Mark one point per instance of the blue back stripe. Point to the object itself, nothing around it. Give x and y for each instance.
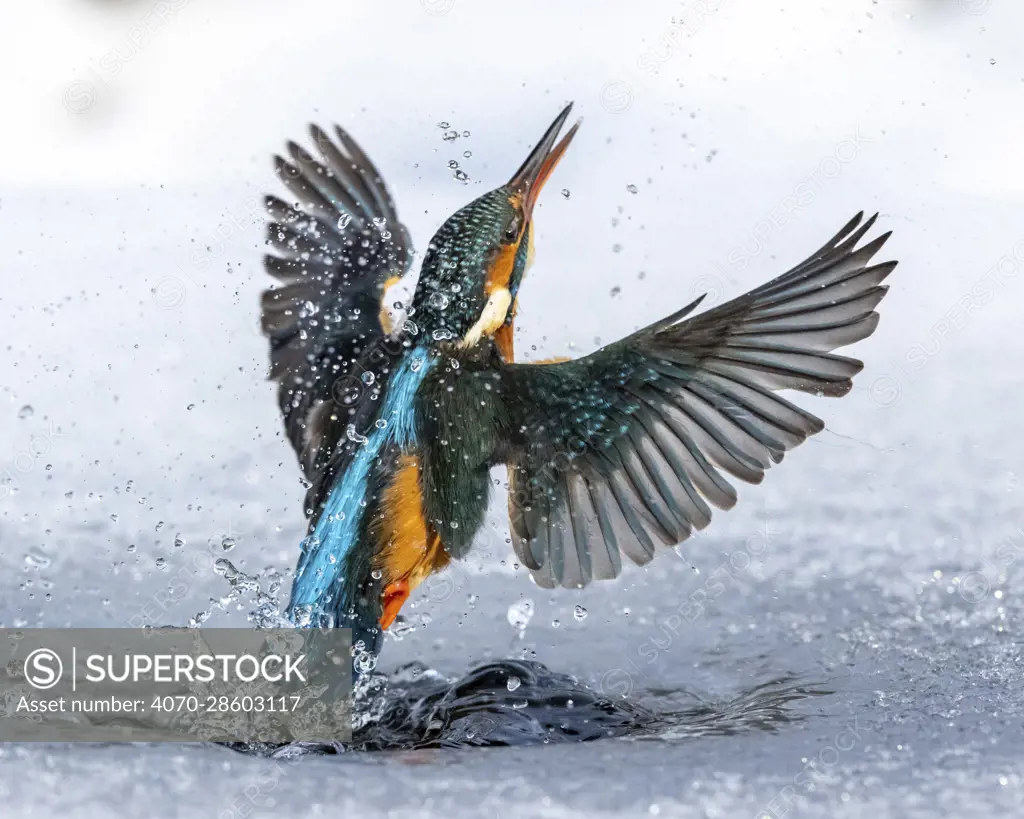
(320, 567)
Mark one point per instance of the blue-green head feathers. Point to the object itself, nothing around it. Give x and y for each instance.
(450, 294)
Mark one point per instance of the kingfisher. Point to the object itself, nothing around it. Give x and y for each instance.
(398, 415)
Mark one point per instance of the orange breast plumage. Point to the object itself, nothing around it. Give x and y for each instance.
(409, 550)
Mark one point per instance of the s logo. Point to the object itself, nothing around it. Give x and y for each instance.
(43, 668)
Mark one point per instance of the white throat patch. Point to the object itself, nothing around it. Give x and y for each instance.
(492, 317)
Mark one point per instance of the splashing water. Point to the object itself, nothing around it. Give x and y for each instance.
(502, 703)
(518, 702)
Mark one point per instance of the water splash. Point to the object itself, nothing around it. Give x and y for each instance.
(508, 702)
(518, 702)
(262, 591)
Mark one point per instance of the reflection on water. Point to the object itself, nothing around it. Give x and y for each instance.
(515, 703)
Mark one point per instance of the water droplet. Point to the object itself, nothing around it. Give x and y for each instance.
(227, 543)
(442, 125)
(199, 619)
(179, 541)
(556, 623)
(616, 248)
(513, 683)
(616, 290)
(465, 133)
(303, 615)
(365, 662)
(992, 61)
(380, 423)
(113, 518)
(467, 154)
(225, 567)
(631, 188)
(37, 560)
(566, 193)
(159, 525)
(354, 436)
(376, 574)
(367, 378)
(26, 412)
(161, 563)
(520, 614)
(190, 407)
(579, 613)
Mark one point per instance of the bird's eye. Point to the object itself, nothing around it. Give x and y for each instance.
(512, 232)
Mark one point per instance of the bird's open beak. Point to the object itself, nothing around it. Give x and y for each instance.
(530, 178)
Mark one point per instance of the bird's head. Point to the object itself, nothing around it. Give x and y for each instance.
(474, 264)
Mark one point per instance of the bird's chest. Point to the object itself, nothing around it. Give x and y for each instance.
(408, 546)
(429, 485)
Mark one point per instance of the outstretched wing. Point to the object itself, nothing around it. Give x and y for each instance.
(625, 449)
(336, 243)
